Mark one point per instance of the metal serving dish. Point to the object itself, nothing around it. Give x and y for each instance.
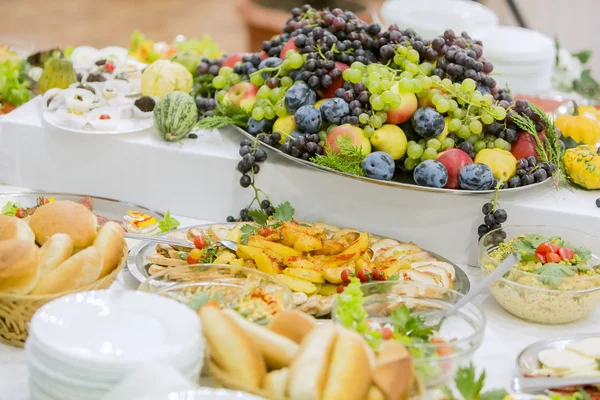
(402, 180)
(138, 266)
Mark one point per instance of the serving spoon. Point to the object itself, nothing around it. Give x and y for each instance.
(229, 244)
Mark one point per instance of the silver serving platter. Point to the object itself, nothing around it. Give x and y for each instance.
(138, 266)
(113, 210)
(528, 358)
(405, 182)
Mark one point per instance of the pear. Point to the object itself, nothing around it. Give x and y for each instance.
(58, 73)
(391, 140)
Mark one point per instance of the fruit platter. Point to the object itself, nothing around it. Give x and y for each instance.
(386, 106)
(316, 261)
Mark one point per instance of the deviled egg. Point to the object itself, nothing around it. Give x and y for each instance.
(70, 119)
(79, 100)
(53, 99)
(104, 118)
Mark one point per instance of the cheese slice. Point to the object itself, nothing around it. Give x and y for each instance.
(589, 347)
(564, 359)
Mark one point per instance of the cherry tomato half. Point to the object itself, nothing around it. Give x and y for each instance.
(387, 333)
(20, 213)
(340, 288)
(540, 257)
(200, 242)
(378, 275)
(346, 274)
(555, 248)
(363, 275)
(553, 258)
(565, 253)
(191, 260)
(545, 248)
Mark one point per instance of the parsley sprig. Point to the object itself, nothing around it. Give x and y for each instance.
(283, 212)
(349, 159)
(469, 385)
(10, 208)
(14, 84)
(168, 223)
(223, 115)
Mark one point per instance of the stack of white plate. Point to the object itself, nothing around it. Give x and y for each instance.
(81, 345)
(430, 18)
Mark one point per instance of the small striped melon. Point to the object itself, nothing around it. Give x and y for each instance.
(175, 116)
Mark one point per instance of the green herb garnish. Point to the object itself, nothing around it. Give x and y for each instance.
(349, 159)
(10, 208)
(283, 212)
(410, 325)
(552, 274)
(470, 386)
(223, 115)
(168, 223)
(14, 83)
(203, 298)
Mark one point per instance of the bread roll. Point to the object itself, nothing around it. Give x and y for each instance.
(64, 216)
(308, 371)
(349, 376)
(275, 383)
(394, 372)
(292, 324)
(13, 228)
(110, 242)
(277, 350)
(375, 394)
(77, 271)
(56, 250)
(231, 349)
(19, 266)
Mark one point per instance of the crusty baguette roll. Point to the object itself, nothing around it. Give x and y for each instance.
(275, 383)
(77, 271)
(56, 250)
(232, 349)
(110, 242)
(292, 324)
(13, 228)
(19, 266)
(64, 216)
(394, 372)
(277, 350)
(375, 394)
(308, 371)
(349, 376)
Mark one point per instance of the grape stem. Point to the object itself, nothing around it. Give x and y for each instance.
(496, 193)
(256, 190)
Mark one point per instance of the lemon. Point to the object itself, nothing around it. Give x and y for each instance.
(284, 126)
(502, 162)
(391, 140)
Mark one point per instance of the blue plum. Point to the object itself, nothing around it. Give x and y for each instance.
(431, 173)
(299, 95)
(308, 119)
(379, 165)
(333, 110)
(263, 126)
(270, 62)
(476, 176)
(427, 122)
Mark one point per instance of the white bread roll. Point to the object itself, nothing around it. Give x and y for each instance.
(13, 228)
(56, 250)
(19, 266)
(277, 350)
(292, 324)
(64, 216)
(349, 376)
(394, 372)
(110, 242)
(232, 349)
(275, 383)
(77, 271)
(308, 371)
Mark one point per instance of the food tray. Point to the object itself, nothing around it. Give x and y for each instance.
(404, 181)
(137, 265)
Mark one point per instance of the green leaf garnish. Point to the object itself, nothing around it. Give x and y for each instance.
(349, 160)
(552, 274)
(410, 325)
(470, 386)
(168, 223)
(223, 115)
(583, 56)
(284, 212)
(10, 208)
(202, 298)
(246, 232)
(14, 83)
(259, 216)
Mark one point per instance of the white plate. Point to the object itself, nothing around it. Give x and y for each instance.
(203, 393)
(129, 125)
(114, 328)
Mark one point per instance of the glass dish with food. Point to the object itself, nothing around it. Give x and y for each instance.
(255, 295)
(409, 313)
(558, 278)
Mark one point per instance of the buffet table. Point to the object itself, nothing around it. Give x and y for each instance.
(197, 178)
(505, 335)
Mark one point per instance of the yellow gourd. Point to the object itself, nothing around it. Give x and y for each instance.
(582, 127)
(582, 164)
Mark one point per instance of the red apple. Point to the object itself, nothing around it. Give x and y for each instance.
(354, 133)
(288, 46)
(337, 83)
(242, 95)
(263, 56)
(232, 60)
(453, 160)
(402, 112)
(525, 145)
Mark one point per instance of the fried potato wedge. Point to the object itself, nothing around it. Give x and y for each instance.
(283, 251)
(330, 248)
(247, 252)
(307, 243)
(298, 285)
(267, 265)
(299, 262)
(307, 274)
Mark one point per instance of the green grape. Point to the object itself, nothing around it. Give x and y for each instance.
(436, 98)
(406, 74)
(490, 145)
(412, 68)
(358, 66)
(258, 113)
(375, 76)
(255, 79)
(448, 143)
(453, 105)
(417, 86)
(488, 99)
(500, 113)
(287, 82)
(405, 85)
(447, 84)
(388, 97)
(374, 87)
(502, 144)
(454, 125)
(422, 142)
(269, 112)
(323, 135)
(331, 127)
(376, 121)
(426, 67)
(414, 151)
(295, 59)
(410, 164)
(436, 79)
(398, 59)
(347, 74)
(219, 82)
(423, 94)
(473, 139)
(487, 118)
(425, 81)
(413, 56)
(263, 92)
(434, 144)
(476, 97)
(489, 137)
(369, 131)
(356, 76)
(468, 85)
(386, 107)
(363, 118)
(382, 115)
(386, 84)
(442, 106)
(376, 102)
(429, 154)
(463, 132)
(221, 95)
(285, 67)
(475, 126)
(459, 113)
(479, 145)
(225, 71)
(403, 51)
(276, 94)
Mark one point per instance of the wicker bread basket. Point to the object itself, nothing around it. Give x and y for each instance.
(16, 310)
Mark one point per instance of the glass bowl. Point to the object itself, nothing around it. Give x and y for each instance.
(256, 295)
(461, 333)
(535, 298)
(12, 48)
